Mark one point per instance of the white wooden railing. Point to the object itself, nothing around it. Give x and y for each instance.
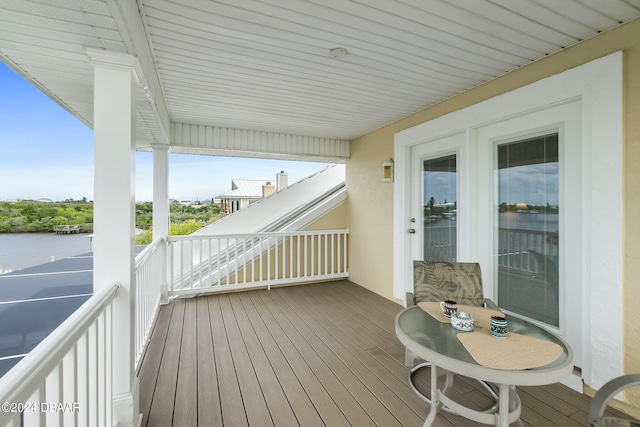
(200, 264)
(150, 276)
(521, 249)
(518, 249)
(66, 379)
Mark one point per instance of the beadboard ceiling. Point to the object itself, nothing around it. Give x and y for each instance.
(265, 65)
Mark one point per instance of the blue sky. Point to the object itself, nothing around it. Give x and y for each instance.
(47, 153)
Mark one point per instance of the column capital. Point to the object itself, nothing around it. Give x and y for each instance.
(160, 147)
(101, 58)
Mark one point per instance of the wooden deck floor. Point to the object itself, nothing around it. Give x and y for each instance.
(313, 355)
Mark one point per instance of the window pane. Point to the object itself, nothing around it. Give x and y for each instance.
(528, 243)
(439, 208)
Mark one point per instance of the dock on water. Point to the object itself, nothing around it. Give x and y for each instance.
(66, 229)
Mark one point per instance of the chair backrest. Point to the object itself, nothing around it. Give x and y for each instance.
(435, 281)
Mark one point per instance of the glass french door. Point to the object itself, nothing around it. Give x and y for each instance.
(530, 214)
(435, 178)
(439, 208)
(520, 255)
(508, 198)
(527, 236)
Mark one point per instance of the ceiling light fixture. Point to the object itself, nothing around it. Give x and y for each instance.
(338, 52)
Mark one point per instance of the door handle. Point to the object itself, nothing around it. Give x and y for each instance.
(412, 231)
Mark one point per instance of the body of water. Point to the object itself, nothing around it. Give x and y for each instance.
(516, 220)
(22, 250)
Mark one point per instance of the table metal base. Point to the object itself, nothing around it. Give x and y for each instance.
(505, 410)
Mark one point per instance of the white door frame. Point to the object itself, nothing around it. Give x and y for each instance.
(565, 120)
(598, 87)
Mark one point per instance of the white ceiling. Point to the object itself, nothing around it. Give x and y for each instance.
(265, 65)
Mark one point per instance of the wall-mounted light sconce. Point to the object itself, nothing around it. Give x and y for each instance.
(387, 171)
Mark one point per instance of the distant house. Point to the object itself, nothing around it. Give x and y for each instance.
(246, 191)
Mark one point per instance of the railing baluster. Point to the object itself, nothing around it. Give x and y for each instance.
(191, 276)
(290, 257)
(277, 259)
(36, 417)
(180, 280)
(200, 263)
(218, 264)
(345, 270)
(251, 258)
(227, 257)
(85, 401)
(299, 257)
(269, 258)
(108, 316)
(333, 259)
(326, 254)
(260, 258)
(71, 386)
(244, 262)
(102, 329)
(171, 273)
(306, 253)
(95, 374)
(210, 263)
(235, 260)
(313, 261)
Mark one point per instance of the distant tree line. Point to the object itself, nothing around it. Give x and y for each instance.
(31, 216)
(34, 216)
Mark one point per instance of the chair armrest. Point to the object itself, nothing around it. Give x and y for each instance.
(410, 299)
(607, 392)
(490, 304)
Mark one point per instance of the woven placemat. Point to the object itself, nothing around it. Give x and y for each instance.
(614, 422)
(481, 315)
(514, 352)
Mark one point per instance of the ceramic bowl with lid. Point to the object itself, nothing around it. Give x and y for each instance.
(462, 321)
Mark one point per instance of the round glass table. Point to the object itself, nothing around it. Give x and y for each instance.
(437, 343)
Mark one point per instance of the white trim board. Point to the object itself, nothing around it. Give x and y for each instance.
(597, 85)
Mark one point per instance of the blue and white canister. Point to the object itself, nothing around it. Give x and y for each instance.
(498, 326)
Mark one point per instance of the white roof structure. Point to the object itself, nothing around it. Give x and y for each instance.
(289, 209)
(262, 78)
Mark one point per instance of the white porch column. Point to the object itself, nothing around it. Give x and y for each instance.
(161, 209)
(114, 215)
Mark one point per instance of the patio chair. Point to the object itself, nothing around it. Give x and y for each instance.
(435, 281)
(602, 398)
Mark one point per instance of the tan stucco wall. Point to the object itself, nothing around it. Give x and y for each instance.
(334, 220)
(370, 202)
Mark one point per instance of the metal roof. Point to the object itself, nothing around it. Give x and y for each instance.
(246, 189)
